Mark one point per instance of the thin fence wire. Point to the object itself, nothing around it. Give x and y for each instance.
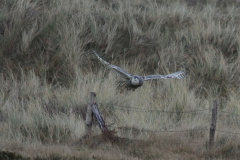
(229, 113)
(220, 131)
(203, 142)
(181, 131)
(135, 109)
(172, 131)
(191, 111)
(175, 131)
(149, 110)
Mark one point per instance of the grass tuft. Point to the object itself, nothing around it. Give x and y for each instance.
(48, 69)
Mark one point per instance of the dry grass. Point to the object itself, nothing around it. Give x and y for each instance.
(47, 71)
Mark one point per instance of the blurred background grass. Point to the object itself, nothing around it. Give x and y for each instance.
(47, 70)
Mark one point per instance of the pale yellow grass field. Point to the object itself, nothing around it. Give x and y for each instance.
(48, 71)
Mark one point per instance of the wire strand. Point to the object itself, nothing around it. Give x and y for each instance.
(145, 110)
(229, 113)
(228, 132)
(189, 130)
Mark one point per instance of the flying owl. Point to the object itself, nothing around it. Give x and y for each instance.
(135, 81)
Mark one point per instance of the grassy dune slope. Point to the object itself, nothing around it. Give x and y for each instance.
(47, 70)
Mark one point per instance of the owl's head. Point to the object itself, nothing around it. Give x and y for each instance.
(135, 80)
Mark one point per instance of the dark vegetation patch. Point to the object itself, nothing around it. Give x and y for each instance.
(156, 146)
(10, 155)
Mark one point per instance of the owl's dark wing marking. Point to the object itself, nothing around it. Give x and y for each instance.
(118, 71)
(177, 75)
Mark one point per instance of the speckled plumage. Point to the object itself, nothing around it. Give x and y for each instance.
(135, 81)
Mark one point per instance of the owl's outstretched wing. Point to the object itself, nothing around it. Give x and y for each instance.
(177, 75)
(119, 71)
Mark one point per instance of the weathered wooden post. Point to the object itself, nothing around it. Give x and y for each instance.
(89, 115)
(213, 124)
(99, 118)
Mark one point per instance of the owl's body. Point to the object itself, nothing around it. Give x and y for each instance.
(135, 81)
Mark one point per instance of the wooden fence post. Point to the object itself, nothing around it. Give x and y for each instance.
(89, 115)
(213, 124)
(99, 118)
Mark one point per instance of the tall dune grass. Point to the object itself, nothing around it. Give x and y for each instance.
(47, 71)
